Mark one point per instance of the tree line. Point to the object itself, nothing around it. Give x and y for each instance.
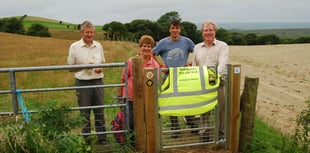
(158, 29)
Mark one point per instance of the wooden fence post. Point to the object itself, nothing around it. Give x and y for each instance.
(150, 110)
(138, 106)
(248, 104)
(234, 72)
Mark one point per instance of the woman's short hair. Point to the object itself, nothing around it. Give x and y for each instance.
(146, 39)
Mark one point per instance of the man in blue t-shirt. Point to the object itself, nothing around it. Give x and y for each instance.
(174, 50)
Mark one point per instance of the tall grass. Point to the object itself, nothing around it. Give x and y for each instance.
(268, 140)
(28, 51)
(50, 131)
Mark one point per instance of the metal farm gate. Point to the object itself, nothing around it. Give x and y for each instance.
(16, 110)
(190, 130)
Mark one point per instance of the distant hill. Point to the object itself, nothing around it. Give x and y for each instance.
(59, 29)
(50, 23)
(281, 33)
(42, 19)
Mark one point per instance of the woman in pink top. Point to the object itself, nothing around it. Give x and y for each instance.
(146, 43)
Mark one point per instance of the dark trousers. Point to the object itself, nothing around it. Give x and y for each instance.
(190, 121)
(221, 104)
(221, 100)
(91, 97)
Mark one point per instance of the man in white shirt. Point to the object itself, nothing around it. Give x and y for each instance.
(88, 51)
(212, 52)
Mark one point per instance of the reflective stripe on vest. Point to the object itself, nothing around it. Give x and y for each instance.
(187, 91)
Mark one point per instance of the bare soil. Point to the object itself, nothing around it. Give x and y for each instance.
(284, 80)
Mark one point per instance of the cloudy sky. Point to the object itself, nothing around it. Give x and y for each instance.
(104, 11)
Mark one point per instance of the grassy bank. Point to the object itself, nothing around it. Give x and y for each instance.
(267, 140)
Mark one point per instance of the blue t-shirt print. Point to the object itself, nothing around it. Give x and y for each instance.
(176, 58)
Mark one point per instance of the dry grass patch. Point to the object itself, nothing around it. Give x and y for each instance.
(29, 51)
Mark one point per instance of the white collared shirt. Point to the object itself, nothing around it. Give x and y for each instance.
(216, 54)
(80, 53)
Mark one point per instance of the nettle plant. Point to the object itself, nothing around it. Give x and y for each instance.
(49, 131)
(302, 135)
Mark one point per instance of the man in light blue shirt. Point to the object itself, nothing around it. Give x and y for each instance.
(174, 50)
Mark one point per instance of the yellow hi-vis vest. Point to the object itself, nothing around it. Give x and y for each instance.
(187, 91)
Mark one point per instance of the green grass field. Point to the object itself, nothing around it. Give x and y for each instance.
(63, 30)
(53, 24)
